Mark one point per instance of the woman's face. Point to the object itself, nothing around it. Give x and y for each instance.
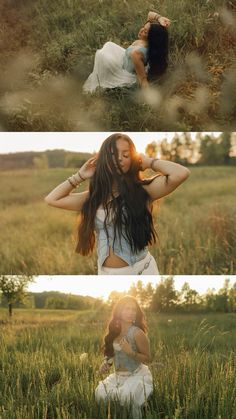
(124, 154)
(129, 312)
(143, 32)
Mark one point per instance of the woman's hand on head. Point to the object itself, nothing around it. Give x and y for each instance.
(164, 21)
(88, 168)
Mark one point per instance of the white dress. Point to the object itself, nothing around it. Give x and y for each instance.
(134, 388)
(108, 71)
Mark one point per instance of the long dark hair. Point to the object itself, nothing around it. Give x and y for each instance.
(114, 325)
(130, 213)
(158, 48)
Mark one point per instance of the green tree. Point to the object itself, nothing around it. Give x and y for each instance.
(189, 298)
(215, 150)
(14, 289)
(232, 298)
(164, 297)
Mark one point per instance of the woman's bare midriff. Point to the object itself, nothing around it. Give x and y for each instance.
(114, 261)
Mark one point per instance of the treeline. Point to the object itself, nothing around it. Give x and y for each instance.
(164, 298)
(205, 149)
(54, 300)
(202, 150)
(42, 160)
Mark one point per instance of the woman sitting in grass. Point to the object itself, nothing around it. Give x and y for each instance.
(144, 60)
(126, 345)
(116, 211)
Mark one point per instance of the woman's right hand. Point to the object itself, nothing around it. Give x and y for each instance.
(88, 168)
(164, 21)
(144, 83)
(104, 368)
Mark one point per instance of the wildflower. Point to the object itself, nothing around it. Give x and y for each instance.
(83, 357)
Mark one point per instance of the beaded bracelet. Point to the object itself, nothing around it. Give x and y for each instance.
(71, 182)
(75, 182)
(81, 177)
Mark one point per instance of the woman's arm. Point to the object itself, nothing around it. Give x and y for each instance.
(137, 58)
(142, 342)
(156, 17)
(61, 196)
(172, 175)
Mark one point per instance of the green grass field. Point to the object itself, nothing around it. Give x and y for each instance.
(47, 52)
(196, 226)
(42, 375)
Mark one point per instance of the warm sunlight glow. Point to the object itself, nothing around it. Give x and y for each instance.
(73, 141)
(103, 285)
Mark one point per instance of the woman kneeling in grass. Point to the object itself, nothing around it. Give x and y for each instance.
(127, 346)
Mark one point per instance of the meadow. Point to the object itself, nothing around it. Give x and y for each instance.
(47, 51)
(196, 226)
(49, 364)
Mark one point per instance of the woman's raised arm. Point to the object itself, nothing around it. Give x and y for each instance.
(172, 175)
(61, 196)
(156, 17)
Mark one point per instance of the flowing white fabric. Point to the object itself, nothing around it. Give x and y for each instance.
(108, 69)
(146, 266)
(134, 388)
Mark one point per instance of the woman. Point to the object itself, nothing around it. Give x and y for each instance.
(144, 60)
(126, 345)
(117, 208)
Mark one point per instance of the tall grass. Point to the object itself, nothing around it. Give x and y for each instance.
(41, 83)
(43, 376)
(195, 225)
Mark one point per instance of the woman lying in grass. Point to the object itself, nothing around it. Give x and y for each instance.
(116, 211)
(144, 60)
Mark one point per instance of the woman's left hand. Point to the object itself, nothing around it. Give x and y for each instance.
(145, 161)
(125, 346)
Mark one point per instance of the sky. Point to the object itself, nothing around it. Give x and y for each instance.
(72, 141)
(101, 286)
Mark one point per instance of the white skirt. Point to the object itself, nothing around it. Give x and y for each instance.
(108, 69)
(146, 266)
(132, 388)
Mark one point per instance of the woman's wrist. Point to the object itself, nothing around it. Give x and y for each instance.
(76, 179)
(154, 16)
(81, 177)
(153, 164)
